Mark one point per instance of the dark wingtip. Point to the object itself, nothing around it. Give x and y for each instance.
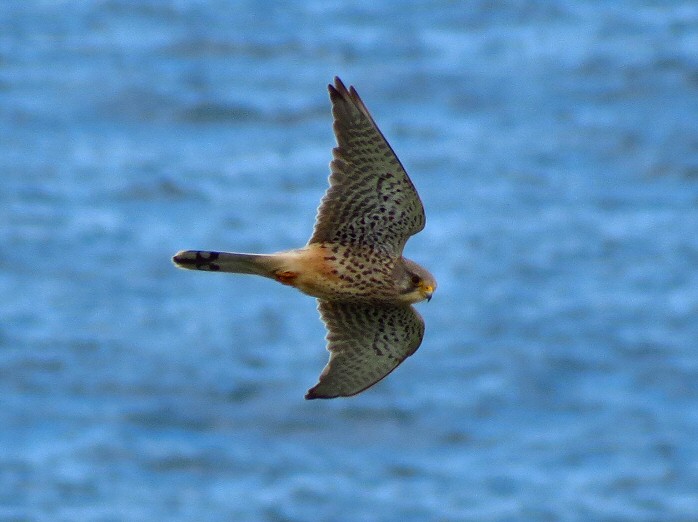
(312, 394)
(336, 90)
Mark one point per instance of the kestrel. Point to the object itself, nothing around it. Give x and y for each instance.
(353, 261)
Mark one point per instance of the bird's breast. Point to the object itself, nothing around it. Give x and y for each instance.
(336, 272)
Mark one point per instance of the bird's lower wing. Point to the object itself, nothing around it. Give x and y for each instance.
(366, 342)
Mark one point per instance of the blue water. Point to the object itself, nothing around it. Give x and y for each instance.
(555, 147)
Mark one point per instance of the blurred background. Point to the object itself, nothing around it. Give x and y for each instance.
(555, 147)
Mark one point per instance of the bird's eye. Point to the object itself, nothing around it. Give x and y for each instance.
(415, 279)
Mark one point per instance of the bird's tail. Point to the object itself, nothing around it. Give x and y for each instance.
(256, 264)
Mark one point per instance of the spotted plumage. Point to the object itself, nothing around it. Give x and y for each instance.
(353, 261)
(367, 342)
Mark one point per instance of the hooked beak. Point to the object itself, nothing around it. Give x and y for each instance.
(427, 291)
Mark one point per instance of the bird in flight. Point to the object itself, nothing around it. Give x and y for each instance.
(353, 262)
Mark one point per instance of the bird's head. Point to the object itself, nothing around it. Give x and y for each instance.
(416, 283)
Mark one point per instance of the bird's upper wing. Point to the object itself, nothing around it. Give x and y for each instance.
(366, 342)
(371, 200)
